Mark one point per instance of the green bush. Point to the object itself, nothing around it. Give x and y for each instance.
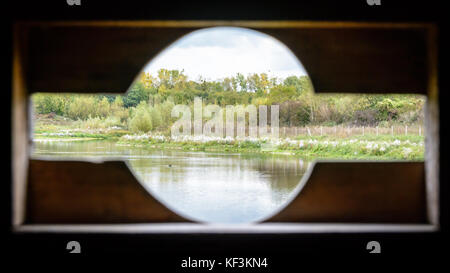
(166, 112)
(90, 123)
(141, 120)
(118, 110)
(103, 107)
(112, 121)
(155, 113)
(82, 107)
(136, 94)
(49, 103)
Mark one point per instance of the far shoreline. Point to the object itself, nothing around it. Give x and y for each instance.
(368, 147)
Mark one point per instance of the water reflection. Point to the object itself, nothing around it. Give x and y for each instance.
(211, 187)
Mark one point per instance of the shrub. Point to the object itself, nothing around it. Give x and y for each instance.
(103, 107)
(166, 110)
(112, 121)
(45, 104)
(303, 114)
(90, 123)
(155, 113)
(118, 110)
(366, 117)
(82, 107)
(141, 120)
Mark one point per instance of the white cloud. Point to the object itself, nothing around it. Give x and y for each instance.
(221, 52)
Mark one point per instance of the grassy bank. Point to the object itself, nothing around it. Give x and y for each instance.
(58, 127)
(367, 147)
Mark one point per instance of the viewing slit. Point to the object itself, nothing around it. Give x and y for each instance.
(192, 129)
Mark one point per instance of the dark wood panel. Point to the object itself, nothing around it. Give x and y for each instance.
(83, 192)
(360, 60)
(90, 59)
(365, 192)
(354, 58)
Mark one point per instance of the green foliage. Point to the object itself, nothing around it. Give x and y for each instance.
(45, 104)
(166, 112)
(242, 82)
(136, 94)
(360, 147)
(98, 123)
(297, 83)
(82, 107)
(117, 109)
(299, 106)
(282, 93)
(141, 120)
(90, 123)
(155, 113)
(103, 107)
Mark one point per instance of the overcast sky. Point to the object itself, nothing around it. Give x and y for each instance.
(219, 52)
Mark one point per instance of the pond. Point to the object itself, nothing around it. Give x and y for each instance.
(203, 186)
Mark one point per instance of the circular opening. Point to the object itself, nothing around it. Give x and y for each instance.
(209, 172)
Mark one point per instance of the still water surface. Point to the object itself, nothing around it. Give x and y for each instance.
(204, 186)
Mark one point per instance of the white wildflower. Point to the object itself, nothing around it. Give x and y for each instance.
(407, 151)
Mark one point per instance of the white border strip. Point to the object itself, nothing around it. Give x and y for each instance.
(189, 228)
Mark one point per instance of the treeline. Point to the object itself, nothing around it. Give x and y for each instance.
(148, 104)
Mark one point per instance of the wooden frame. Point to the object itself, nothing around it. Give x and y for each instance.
(340, 57)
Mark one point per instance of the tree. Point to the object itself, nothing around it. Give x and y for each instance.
(265, 83)
(135, 95)
(242, 82)
(294, 82)
(281, 93)
(147, 80)
(227, 84)
(254, 83)
(170, 79)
